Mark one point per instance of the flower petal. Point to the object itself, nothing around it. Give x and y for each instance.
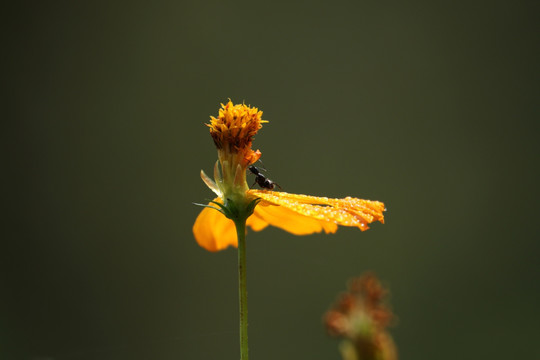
(256, 222)
(213, 231)
(347, 212)
(291, 221)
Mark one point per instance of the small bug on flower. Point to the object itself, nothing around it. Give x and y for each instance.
(262, 180)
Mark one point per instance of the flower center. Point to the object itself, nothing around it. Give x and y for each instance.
(233, 131)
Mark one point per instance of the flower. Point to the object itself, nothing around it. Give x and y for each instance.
(360, 316)
(233, 131)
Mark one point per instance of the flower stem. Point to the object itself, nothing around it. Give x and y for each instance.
(242, 287)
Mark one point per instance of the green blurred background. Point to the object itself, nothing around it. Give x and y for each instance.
(431, 107)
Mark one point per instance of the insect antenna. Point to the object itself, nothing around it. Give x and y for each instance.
(262, 167)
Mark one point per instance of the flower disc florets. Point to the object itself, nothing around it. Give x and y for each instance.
(234, 128)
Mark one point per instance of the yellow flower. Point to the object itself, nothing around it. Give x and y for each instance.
(233, 133)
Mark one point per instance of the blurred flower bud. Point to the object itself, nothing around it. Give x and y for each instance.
(360, 316)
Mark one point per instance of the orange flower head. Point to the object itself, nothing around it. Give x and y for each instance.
(234, 128)
(233, 131)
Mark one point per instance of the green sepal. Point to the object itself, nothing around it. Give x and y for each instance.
(231, 210)
(208, 206)
(251, 206)
(225, 210)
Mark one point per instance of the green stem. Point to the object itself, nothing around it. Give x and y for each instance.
(242, 287)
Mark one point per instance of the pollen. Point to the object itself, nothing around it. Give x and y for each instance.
(234, 128)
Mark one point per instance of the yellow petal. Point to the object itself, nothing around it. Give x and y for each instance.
(213, 231)
(256, 222)
(291, 221)
(347, 212)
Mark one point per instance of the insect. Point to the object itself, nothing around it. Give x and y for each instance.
(262, 180)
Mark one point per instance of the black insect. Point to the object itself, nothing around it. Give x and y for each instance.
(262, 180)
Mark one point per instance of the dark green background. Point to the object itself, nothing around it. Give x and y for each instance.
(428, 106)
